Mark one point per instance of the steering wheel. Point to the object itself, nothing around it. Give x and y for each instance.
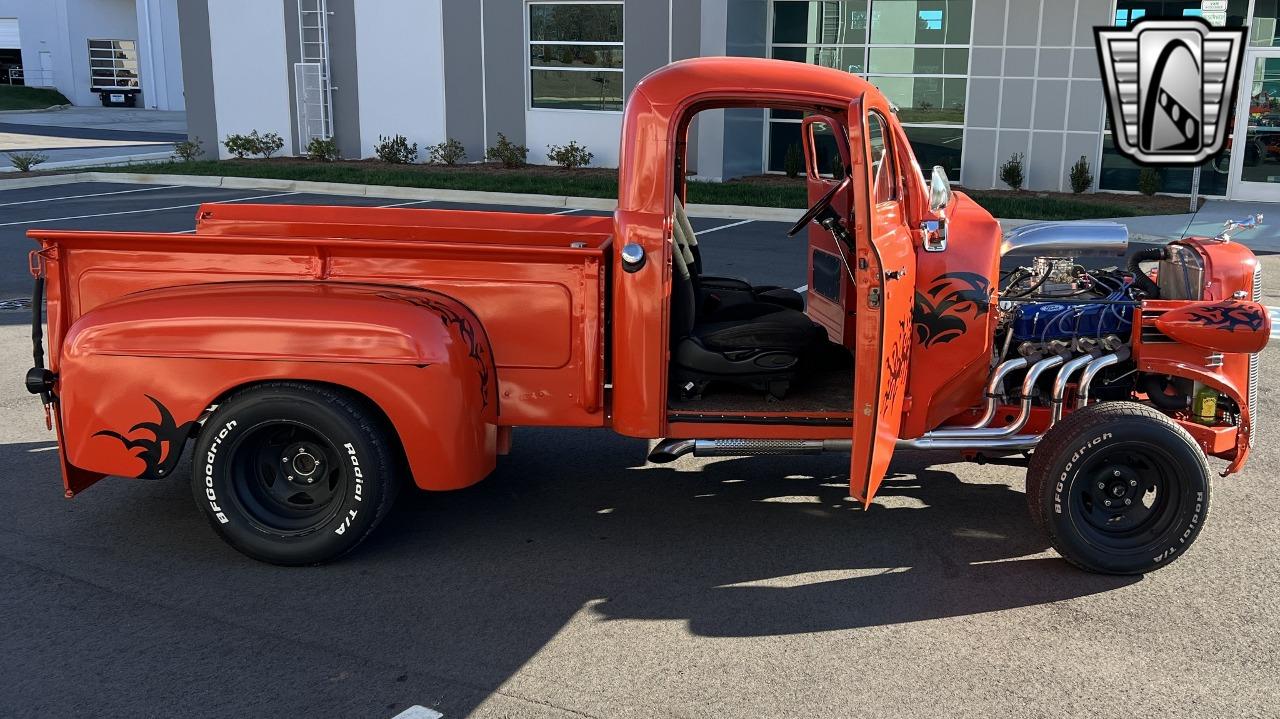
(823, 203)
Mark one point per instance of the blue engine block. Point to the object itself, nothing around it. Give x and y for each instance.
(1043, 321)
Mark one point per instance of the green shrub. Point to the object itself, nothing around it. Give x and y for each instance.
(241, 146)
(1012, 172)
(793, 161)
(510, 154)
(188, 150)
(449, 152)
(396, 150)
(322, 149)
(24, 161)
(1150, 181)
(268, 144)
(569, 156)
(1081, 178)
(254, 143)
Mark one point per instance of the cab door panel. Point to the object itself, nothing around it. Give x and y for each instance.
(885, 291)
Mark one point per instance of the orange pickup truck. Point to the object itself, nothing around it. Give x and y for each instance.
(317, 358)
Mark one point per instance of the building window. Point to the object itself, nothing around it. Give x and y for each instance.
(113, 64)
(575, 56)
(915, 51)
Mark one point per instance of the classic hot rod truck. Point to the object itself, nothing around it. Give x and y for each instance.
(318, 357)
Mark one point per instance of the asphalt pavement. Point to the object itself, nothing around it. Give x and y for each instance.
(579, 581)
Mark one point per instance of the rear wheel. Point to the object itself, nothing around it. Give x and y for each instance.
(1118, 488)
(293, 473)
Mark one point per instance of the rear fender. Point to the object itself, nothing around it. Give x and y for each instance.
(138, 374)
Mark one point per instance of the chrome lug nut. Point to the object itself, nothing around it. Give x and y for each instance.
(1133, 483)
(1127, 502)
(1102, 485)
(1106, 502)
(1115, 473)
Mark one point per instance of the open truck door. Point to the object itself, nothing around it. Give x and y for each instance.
(876, 249)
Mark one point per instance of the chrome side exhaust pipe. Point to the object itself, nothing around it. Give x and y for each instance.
(669, 450)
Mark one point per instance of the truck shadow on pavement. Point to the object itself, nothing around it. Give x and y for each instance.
(456, 592)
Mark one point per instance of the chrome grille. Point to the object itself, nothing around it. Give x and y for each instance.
(1253, 365)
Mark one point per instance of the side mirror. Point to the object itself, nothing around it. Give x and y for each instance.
(939, 190)
(933, 233)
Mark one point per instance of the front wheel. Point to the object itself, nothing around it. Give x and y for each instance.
(294, 474)
(1118, 488)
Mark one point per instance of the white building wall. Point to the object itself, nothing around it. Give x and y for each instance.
(91, 20)
(250, 70)
(599, 131)
(56, 34)
(159, 54)
(400, 68)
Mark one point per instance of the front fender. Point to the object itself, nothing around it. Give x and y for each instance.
(137, 373)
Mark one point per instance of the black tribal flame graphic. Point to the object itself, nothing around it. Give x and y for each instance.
(940, 309)
(475, 348)
(161, 451)
(1229, 317)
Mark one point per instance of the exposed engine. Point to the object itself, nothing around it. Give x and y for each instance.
(1056, 304)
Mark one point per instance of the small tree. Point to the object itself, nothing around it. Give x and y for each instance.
(793, 161)
(510, 154)
(396, 149)
(322, 149)
(1012, 172)
(188, 150)
(569, 156)
(24, 161)
(449, 152)
(241, 146)
(267, 144)
(1150, 181)
(1081, 178)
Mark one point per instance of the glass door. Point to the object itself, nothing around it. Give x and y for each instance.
(1256, 155)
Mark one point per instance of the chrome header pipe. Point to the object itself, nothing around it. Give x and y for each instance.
(1024, 413)
(1015, 443)
(1060, 384)
(995, 390)
(1092, 370)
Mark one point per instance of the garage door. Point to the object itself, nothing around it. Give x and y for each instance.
(9, 33)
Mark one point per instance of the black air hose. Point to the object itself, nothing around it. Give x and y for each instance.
(1140, 278)
(1156, 388)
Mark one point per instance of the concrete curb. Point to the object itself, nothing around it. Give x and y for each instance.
(39, 109)
(727, 212)
(98, 162)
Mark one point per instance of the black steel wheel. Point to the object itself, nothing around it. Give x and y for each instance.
(1118, 488)
(293, 473)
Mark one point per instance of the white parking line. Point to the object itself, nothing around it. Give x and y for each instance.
(151, 209)
(79, 197)
(567, 212)
(404, 204)
(724, 227)
(418, 712)
(802, 288)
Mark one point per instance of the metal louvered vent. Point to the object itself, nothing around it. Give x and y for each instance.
(1253, 366)
(1151, 335)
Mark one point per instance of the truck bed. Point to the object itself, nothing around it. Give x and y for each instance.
(536, 282)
